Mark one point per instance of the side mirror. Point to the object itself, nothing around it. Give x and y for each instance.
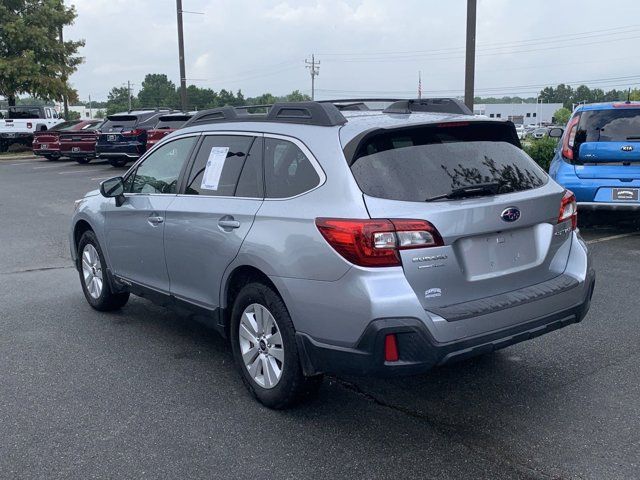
(113, 188)
(556, 132)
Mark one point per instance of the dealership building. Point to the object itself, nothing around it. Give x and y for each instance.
(519, 113)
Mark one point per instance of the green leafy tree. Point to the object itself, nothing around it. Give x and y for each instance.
(32, 58)
(158, 91)
(118, 100)
(73, 115)
(201, 98)
(297, 96)
(561, 116)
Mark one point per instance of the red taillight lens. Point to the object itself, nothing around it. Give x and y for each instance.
(375, 242)
(29, 125)
(132, 133)
(391, 348)
(569, 209)
(569, 139)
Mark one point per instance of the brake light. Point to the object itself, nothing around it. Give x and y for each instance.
(391, 348)
(29, 125)
(132, 133)
(569, 209)
(569, 139)
(376, 242)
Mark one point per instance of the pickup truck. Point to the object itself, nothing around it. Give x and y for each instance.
(22, 121)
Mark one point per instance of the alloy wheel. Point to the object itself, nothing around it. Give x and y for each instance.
(92, 271)
(261, 345)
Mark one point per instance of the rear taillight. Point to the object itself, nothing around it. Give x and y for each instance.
(29, 125)
(376, 242)
(569, 209)
(569, 139)
(132, 133)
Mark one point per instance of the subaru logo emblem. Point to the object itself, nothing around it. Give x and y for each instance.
(627, 148)
(510, 214)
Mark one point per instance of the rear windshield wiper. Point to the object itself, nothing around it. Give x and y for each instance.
(469, 191)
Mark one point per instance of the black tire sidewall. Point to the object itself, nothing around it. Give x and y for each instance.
(82, 160)
(287, 389)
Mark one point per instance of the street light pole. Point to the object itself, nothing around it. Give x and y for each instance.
(470, 60)
(183, 75)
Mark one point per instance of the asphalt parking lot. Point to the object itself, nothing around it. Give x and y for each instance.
(144, 393)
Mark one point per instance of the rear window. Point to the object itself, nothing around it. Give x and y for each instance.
(17, 113)
(172, 122)
(617, 125)
(119, 121)
(65, 125)
(421, 163)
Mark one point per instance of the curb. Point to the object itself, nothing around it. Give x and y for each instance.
(16, 157)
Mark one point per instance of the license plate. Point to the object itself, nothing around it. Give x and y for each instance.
(626, 194)
(75, 149)
(111, 138)
(44, 146)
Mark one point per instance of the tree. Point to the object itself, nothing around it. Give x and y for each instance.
(561, 116)
(73, 115)
(118, 100)
(32, 58)
(158, 91)
(296, 96)
(201, 98)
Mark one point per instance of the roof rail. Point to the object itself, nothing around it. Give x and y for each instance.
(306, 113)
(439, 105)
(358, 104)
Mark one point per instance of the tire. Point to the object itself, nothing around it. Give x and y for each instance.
(83, 160)
(118, 163)
(51, 158)
(93, 276)
(273, 391)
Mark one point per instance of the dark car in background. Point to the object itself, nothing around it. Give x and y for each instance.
(166, 124)
(122, 138)
(80, 144)
(46, 143)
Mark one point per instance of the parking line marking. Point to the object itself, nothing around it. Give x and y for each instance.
(83, 171)
(100, 178)
(612, 237)
(52, 166)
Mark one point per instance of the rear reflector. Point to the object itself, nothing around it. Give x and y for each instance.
(376, 242)
(569, 209)
(391, 348)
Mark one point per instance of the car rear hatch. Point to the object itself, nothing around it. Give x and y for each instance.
(608, 144)
(495, 209)
(117, 128)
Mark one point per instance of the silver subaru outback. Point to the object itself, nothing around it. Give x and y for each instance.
(325, 237)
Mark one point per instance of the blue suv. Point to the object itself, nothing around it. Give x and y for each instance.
(598, 158)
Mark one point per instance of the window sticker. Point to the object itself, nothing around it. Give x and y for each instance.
(213, 170)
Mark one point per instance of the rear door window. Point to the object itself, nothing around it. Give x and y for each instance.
(615, 125)
(220, 164)
(420, 163)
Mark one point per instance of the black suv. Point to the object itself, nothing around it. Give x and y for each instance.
(123, 136)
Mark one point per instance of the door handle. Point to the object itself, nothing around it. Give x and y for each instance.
(228, 222)
(155, 220)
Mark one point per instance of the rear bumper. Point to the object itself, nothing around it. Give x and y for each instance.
(418, 350)
(47, 152)
(609, 206)
(128, 150)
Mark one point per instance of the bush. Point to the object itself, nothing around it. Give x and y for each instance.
(541, 150)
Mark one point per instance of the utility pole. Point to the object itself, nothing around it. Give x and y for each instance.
(90, 109)
(65, 99)
(470, 61)
(129, 93)
(314, 70)
(183, 75)
(419, 84)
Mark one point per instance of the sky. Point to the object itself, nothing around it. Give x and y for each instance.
(366, 48)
